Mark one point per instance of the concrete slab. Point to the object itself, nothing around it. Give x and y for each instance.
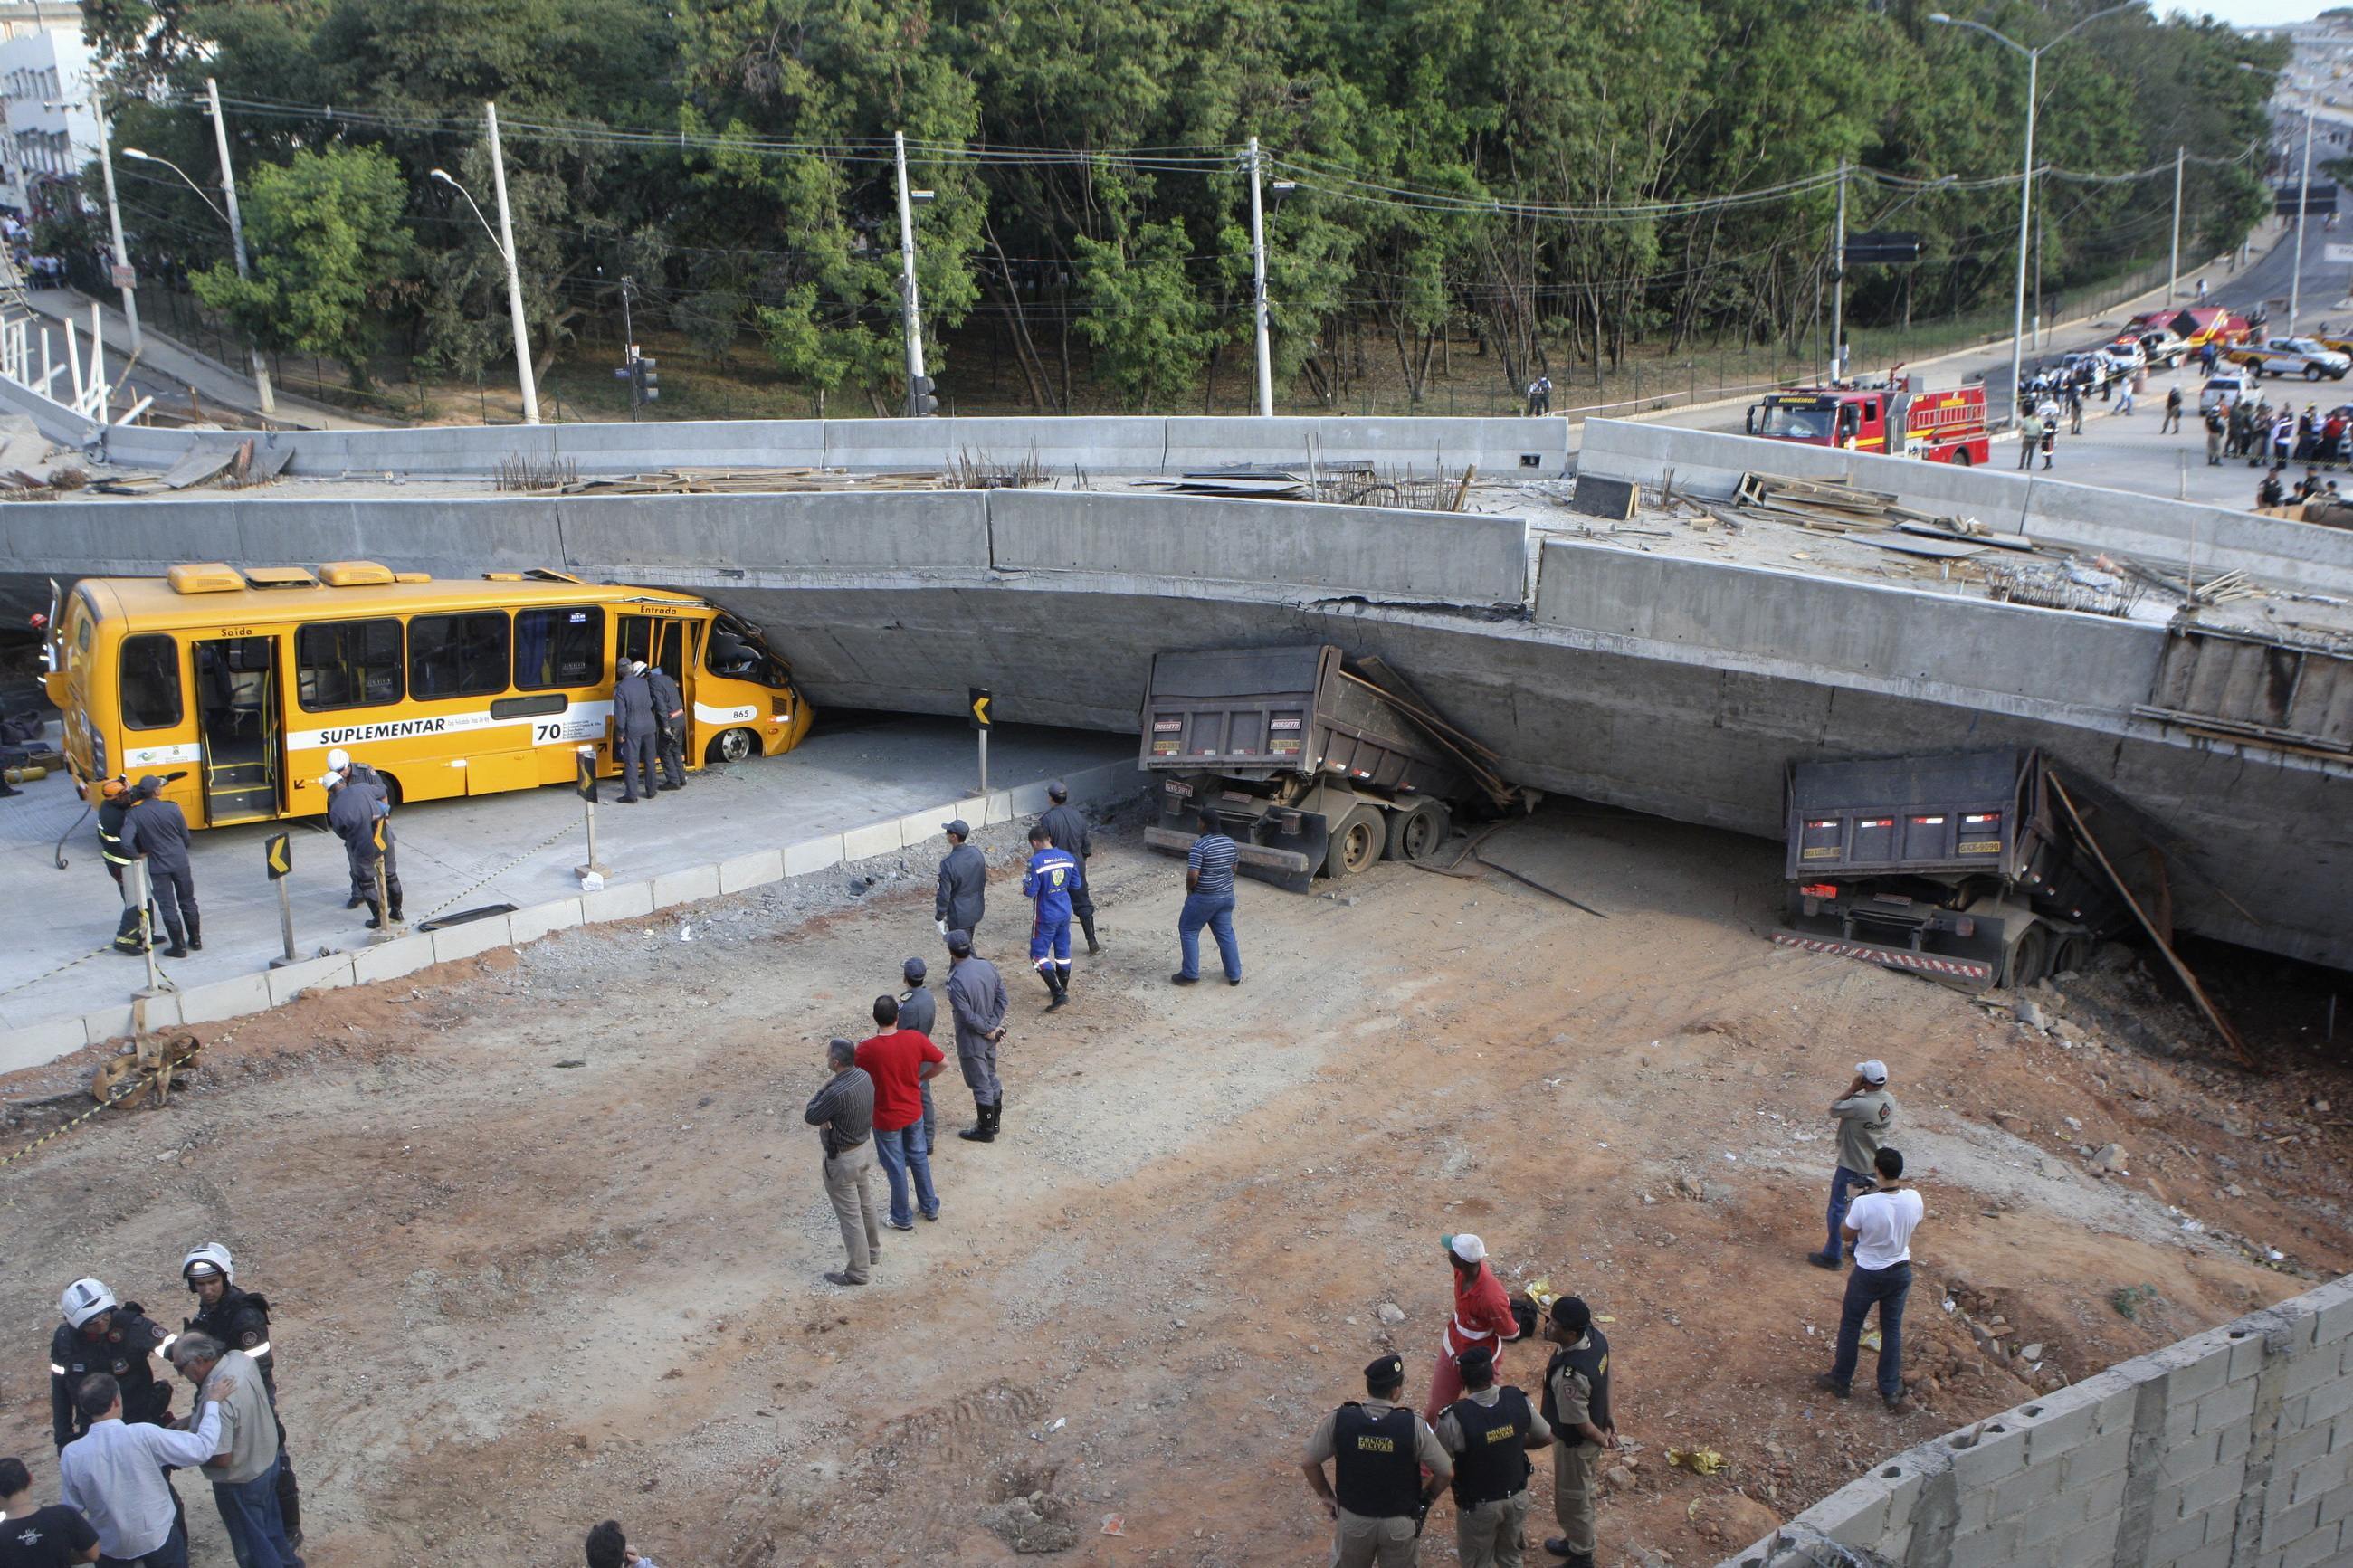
(390, 960)
(475, 851)
(618, 901)
(230, 998)
(684, 887)
(876, 838)
(473, 937)
(311, 974)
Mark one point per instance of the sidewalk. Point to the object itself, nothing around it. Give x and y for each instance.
(167, 367)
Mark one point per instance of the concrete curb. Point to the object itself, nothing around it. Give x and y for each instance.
(2228, 1448)
(36, 1045)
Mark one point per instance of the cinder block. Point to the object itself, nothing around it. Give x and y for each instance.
(2298, 1449)
(618, 901)
(2337, 1505)
(2320, 1546)
(1854, 1515)
(2201, 1492)
(2000, 1450)
(2319, 1476)
(2092, 1546)
(2249, 1351)
(2332, 1312)
(812, 855)
(327, 974)
(2170, 1543)
(874, 838)
(473, 937)
(2232, 1401)
(1995, 1546)
(753, 870)
(2311, 1371)
(2059, 1515)
(391, 960)
(687, 886)
(36, 1044)
(2233, 1442)
(2059, 1425)
(2187, 1457)
(2214, 1554)
(2103, 1454)
(2293, 1522)
(535, 920)
(2017, 1494)
(2323, 1404)
(2194, 1368)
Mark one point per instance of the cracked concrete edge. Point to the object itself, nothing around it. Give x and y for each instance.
(50, 1039)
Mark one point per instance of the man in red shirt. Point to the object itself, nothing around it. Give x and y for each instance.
(900, 1061)
(1482, 1316)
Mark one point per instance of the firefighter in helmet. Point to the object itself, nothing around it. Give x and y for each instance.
(239, 1318)
(101, 1334)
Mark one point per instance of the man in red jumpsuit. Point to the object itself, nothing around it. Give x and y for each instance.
(1482, 1316)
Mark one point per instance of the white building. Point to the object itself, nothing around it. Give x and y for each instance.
(46, 131)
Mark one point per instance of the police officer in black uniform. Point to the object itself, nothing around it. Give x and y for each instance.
(1490, 1432)
(99, 1334)
(1577, 1406)
(240, 1320)
(919, 1010)
(1067, 826)
(669, 727)
(1378, 1450)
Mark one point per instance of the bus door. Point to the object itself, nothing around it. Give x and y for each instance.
(241, 726)
(666, 642)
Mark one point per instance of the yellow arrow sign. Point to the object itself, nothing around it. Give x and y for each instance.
(980, 697)
(277, 855)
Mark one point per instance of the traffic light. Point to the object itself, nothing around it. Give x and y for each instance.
(645, 387)
(919, 401)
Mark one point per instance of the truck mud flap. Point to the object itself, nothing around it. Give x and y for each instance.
(1286, 868)
(1967, 974)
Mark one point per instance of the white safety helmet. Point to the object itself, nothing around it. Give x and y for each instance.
(212, 1258)
(637, 667)
(338, 760)
(85, 1300)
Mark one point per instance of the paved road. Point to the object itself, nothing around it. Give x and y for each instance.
(853, 770)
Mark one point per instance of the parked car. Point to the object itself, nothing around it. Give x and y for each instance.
(2124, 354)
(2088, 365)
(2306, 357)
(2225, 385)
(2164, 349)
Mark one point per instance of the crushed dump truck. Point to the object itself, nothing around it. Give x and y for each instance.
(1314, 763)
(1956, 867)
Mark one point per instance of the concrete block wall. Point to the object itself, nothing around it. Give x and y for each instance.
(36, 1044)
(2231, 1449)
(2300, 554)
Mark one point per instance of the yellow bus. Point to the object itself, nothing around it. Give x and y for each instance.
(242, 681)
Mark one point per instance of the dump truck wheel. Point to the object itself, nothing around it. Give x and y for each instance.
(1416, 831)
(1356, 843)
(2027, 959)
(2074, 953)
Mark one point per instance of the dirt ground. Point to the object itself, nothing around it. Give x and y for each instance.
(544, 1231)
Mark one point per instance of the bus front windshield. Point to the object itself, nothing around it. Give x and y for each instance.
(1789, 424)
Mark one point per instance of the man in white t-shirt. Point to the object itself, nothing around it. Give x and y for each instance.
(1880, 1224)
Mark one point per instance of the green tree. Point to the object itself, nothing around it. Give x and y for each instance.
(1151, 330)
(328, 249)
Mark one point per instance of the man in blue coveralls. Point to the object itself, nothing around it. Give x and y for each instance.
(1052, 875)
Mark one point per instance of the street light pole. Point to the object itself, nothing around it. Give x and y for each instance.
(1838, 283)
(2303, 200)
(114, 217)
(237, 241)
(1257, 290)
(911, 317)
(514, 288)
(525, 375)
(2173, 268)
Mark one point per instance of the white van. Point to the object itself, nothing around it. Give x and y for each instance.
(2225, 385)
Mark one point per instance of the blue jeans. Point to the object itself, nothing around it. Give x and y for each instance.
(901, 1150)
(1842, 1181)
(1884, 1289)
(173, 1553)
(256, 1533)
(1218, 914)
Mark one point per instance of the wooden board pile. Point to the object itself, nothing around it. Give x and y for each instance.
(1828, 507)
(749, 481)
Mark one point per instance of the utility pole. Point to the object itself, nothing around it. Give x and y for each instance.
(629, 349)
(2025, 208)
(1838, 283)
(2173, 268)
(114, 216)
(237, 241)
(1258, 289)
(2303, 200)
(912, 318)
(523, 373)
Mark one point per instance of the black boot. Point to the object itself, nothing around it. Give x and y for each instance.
(1087, 924)
(290, 1502)
(376, 916)
(1062, 980)
(179, 948)
(195, 933)
(984, 1129)
(126, 934)
(1054, 992)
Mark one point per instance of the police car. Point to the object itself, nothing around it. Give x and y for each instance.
(2306, 357)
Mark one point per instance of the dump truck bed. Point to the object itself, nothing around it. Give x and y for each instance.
(1973, 814)
(1256, 713)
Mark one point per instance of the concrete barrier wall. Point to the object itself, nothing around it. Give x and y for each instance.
(1141, 445)
(2232, 1449)
(2298, 554)
(1455, 557)
(1811, 624)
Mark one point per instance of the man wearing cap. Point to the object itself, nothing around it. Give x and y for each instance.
(1577, 1406)
(155, 830)
(1863, 1115)
(340, 765)
(670, 726)
(964, 881)
(1490, 1431)
(978, 1001)
(1066, 828)
(115, 804)
(1482, 1316)
(919, 1010)
(1378, 1451)
(634, 731)
(843, 1113)
(353, 816)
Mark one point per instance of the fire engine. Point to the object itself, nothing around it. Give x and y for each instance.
(1889, 416)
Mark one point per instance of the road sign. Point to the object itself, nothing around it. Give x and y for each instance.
(2340, 253)
(586, 771)
(123, 277)
(277, 855)
(977, 699)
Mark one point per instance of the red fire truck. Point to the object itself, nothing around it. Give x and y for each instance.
(1892, 417)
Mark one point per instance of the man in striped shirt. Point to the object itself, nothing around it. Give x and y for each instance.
(1209, 901)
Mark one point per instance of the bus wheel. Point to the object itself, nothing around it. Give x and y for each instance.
(391, 787)
(731, 746)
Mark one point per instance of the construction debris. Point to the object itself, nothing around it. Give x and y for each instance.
(2062, 585)
(680, 481)
(1830, 508)
(520, 472)
(1355, 482)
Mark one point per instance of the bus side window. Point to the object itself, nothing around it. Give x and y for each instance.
(458, 656)
(559, 648)
(151, 681)
(347, 664)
